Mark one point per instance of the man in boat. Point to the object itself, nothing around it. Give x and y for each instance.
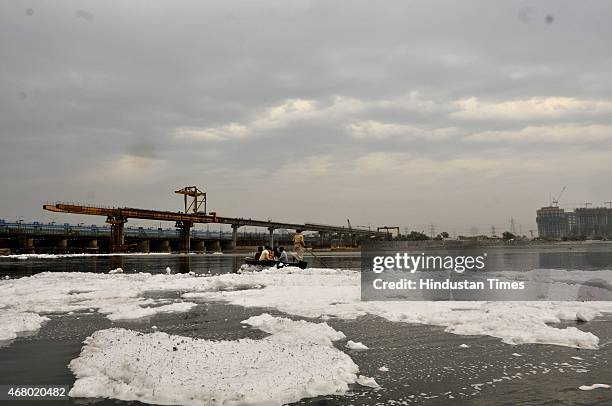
(283, 255)
(271, 253)
(298, 245)
(258, 253)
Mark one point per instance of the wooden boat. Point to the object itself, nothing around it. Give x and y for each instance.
(271, 263)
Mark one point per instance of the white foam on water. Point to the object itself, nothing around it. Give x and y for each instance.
(594, 386)
(356, 345)
(14, 323)
(283, 328)
(297, 361)
(116, 295)
(137, 312)
(56, 256)
(367, 381)
(330, 292)
(306, 293)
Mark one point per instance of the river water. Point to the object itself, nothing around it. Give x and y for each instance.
(426, 365)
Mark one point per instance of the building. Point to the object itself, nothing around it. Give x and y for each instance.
(552, 222)
(556, 223)
(596, 221)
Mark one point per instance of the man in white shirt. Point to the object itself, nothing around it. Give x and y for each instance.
(283, 255)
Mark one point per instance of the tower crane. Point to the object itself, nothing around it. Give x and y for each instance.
(555, 202)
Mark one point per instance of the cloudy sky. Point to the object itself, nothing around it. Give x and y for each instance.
(456, 113)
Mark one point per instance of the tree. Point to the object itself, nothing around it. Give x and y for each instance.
(413, 236)
(416, 236)
(507, 235)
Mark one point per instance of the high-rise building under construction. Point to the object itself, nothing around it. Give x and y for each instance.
(591, 222)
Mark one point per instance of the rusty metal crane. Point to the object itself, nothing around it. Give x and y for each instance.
(194, 193)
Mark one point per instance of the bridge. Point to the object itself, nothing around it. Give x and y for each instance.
(29, 237)
(116, 217)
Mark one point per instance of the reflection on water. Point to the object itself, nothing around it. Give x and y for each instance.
(499, 259)
(197, 263)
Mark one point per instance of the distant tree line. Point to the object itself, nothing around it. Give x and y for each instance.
(420, 236)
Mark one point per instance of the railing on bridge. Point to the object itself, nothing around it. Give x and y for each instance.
(82, 230)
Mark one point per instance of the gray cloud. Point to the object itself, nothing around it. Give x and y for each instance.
(384, 114)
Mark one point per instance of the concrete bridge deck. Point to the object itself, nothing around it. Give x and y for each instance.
(29, 237)
(117, 217)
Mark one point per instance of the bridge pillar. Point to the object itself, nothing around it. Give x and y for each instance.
(144, 246)
(353, 240)
(184, 235)
(216, 246)
(26, 245)
(162, 246)
(226, 246)
(62, 244)
(184, 264)
(271, 230)
(199, 246)
(116, 261)
(234, 235)
(92, 244)
(117, 234)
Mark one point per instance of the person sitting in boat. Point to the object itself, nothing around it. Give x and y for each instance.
(283, 255)
(266, 254)
(298, 245)
(258, 253)
(272, 254)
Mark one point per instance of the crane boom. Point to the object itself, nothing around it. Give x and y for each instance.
(556, 201)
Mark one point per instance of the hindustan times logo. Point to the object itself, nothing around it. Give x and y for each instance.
(422, 262)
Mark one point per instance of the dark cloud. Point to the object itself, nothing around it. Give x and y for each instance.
(85, 15)
(406, 106)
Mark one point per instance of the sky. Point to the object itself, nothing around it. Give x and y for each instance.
(461, 114)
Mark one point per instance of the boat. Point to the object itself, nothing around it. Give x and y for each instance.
(270, 263)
